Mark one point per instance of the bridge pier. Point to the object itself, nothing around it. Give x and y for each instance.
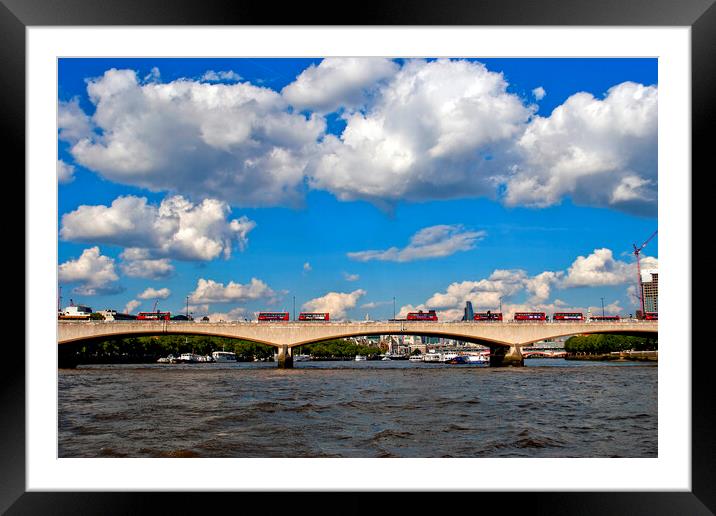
(67, 356)
(285, 357)
(502, 356)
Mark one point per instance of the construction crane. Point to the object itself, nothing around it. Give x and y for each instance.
(154, 309)
(637, 253)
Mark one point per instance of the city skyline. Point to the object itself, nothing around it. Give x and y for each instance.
(344, 183)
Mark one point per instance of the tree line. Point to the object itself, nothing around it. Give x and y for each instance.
(605, 343)
(149, 349)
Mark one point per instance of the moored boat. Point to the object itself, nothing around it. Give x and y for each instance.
(223, 356)
(478, 359)
(360, 358)
(432, 357)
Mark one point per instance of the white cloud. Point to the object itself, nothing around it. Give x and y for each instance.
(443, 129)
(210, 291)
(375, 304)
(430, 242)
(65, 172)
(600, 268)
(307, 267)
(600, 152)
(74, 125)
(351, 277)
(597, 269)
(234, 142)
(94, 271)
(151, 293)
(236, 314)
(224, 75)
(435, 130)
(335, 303)
(137, 264)
(176, 228)
(337, 82)
(131, 305)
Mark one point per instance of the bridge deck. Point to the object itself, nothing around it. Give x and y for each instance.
(295, 334)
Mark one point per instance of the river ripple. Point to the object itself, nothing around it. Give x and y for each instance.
(550, 408)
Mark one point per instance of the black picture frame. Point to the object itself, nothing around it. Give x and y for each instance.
(699, 15)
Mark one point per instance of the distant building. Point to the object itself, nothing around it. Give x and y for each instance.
(650, 289)
(469, 314)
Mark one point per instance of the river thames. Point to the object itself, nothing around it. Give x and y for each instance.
(549, 408)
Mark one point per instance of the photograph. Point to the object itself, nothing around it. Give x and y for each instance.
(358, 257)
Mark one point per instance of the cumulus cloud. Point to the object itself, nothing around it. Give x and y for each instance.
(337, 82)
(234, 142)
(151, 293)
(94, 272)
(65, 172)
(421, 130)
(138, 264)
(176, 228)
(375, 304)
(431, 242)
(503, 285)
(236, 314)
(336, 303)
(601, 268)
(210, 291)
(224, 75)
(600, 152)
(131, 306)
(435, 130)
(74, 125)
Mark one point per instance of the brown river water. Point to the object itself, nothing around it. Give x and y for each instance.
(549, 408)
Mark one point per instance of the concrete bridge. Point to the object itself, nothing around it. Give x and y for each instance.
(505, 339)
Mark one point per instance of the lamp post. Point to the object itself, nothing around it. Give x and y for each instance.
(294, 308)
(602, 307)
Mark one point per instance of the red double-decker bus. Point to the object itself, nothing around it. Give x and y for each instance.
(430, 315)
(651, 316)
(568, 316)
(314, 316)
(273, 316)
(154, 316)
(605, 318)
(530, 316)
(487, 316)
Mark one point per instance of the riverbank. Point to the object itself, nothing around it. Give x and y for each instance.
(638, 356)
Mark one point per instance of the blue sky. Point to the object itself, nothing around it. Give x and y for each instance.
(342, 183)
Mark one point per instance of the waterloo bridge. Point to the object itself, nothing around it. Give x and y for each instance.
(505, 339)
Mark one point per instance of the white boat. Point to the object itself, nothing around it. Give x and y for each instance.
(301, 358)
(223, 356)
(432, 357)
(446, 357)
(478, 359)
(416, 358)
(360, 358)
(386, 357)
(190, 358)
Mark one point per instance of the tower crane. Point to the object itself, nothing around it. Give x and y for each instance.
(637, 253)
(154, 309)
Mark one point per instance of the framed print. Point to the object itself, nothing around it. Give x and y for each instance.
(263, 225)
